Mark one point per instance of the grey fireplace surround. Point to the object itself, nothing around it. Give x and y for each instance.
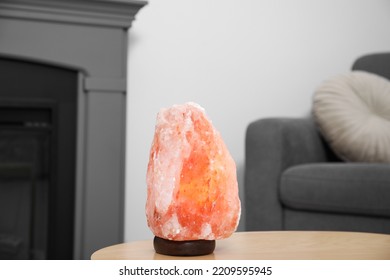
(89, 36)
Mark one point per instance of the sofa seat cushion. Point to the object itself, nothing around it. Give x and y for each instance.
(353, 188)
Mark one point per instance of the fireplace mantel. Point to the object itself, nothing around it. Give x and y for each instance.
(114, 13)
(89, 36)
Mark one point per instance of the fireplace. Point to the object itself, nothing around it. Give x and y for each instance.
(37, 158)
(62, 126)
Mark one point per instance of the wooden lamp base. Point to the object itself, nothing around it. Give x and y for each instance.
(183, 248)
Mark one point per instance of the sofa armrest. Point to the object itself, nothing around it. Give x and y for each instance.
(273, 145)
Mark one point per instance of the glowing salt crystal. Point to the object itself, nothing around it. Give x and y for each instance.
(191, 178)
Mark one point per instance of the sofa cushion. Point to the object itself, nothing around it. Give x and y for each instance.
(353, 113)
(354, 188)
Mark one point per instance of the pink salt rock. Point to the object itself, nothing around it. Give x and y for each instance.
(191, 178)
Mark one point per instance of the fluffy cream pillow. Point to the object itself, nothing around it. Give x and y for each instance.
(353, 113)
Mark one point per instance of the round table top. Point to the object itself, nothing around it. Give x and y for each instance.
(270, 245)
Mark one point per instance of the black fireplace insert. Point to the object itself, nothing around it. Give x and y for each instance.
(38, 112)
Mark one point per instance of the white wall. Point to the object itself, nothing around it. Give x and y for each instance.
(239, 59)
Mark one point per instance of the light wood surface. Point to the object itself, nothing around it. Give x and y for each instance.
(282, 245)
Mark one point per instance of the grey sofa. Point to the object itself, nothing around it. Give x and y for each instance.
(293, 180)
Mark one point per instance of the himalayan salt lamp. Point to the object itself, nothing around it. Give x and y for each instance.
(192, 192)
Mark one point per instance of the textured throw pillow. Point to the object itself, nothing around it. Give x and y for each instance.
(353, 113)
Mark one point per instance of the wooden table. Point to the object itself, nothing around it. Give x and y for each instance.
(276, 245)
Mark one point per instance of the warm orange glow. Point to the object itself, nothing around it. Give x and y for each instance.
(203, 201)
